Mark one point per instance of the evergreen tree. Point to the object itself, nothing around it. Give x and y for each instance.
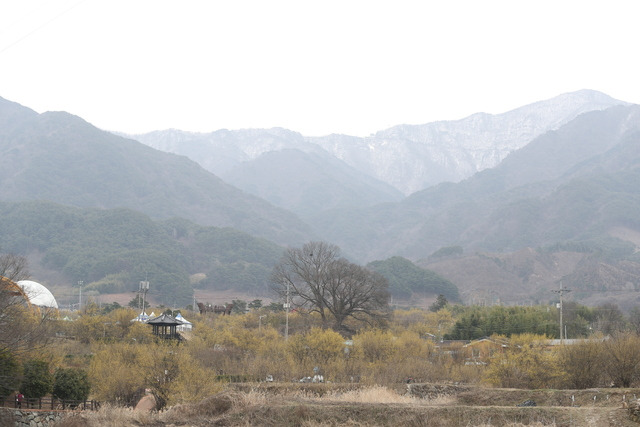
(71, 384)
(37, 381)
(440, 303)
(10, 372)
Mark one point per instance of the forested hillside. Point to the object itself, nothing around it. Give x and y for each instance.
(112, 250)
(407, 279)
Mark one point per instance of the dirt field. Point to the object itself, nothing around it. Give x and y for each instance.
(356, 405)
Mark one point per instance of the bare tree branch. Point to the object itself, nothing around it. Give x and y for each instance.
(14, 267)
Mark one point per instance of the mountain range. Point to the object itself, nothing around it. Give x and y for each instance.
(408, 157)
(557, 181)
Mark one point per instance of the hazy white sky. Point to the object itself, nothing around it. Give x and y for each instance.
(316, 67)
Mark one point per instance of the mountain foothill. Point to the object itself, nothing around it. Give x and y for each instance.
(490, 208)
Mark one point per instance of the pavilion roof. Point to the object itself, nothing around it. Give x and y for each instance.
(164, 319)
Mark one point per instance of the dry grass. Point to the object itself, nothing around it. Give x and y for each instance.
(381, 395)
(345, 405)
(375, 394)
(538, 424)
(109, 416)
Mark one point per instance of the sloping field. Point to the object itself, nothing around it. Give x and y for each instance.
(355, 405)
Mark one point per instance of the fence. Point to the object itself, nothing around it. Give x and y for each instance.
(49, 403)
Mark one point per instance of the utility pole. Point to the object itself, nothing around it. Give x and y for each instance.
(144, 288)
(80, 284)
(286, 307)
(561, 292)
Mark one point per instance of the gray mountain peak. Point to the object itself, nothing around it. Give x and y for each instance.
(407, 157)
(414, 157)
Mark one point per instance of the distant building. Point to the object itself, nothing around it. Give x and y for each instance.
(142, 317)
(165, 327)
(37, 294)
(185, 325)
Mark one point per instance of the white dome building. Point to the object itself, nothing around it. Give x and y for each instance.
(37, 294)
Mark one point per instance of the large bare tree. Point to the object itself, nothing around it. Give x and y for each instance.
(316, 277)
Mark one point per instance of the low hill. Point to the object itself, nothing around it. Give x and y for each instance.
(595, 272)
(407, 280)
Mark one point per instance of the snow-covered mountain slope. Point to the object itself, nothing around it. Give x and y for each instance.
(414, 157)
(408, 157)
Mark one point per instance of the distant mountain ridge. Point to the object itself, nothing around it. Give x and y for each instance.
(277, 165)
(309, 183)
(408, 157)
(569, 184)
(415, 157)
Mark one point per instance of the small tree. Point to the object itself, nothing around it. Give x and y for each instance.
(107, 308)
(621, 359)
(524, 364)
(37, 381)
(136, 302)
(440, 303)
(116, 371)
(239, 306)
(255, 304)
(582, 364)
(71, 384)
(374, 345)
(275, 307)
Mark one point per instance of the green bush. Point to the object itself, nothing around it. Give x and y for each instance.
(71, 384)
(37, 381)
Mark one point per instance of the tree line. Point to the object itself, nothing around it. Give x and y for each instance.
(579, 321)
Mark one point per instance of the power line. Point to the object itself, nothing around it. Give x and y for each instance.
(29, 34)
